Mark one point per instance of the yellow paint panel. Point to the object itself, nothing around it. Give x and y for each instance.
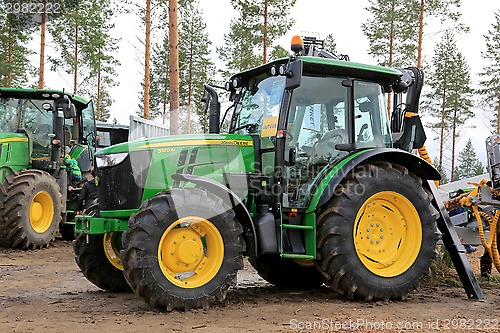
(240, 143)
(14, 140)
(269, 127)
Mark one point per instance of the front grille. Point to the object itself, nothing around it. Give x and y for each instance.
(122, 186)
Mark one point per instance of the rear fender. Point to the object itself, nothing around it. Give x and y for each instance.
(413, 163)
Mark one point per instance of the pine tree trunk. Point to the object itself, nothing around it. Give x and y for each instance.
(147, 56)
(190, 89)
(9, 59)
(454, 139)
(164, 115)
(420, 33)
(98, 102)
(441, 141)
(75, 74)
(264, 59)
(190, 78)
(174, 67)
(41, 82)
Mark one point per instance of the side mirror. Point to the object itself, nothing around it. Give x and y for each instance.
(292, 156)
(70, 112)
(293, 74)
(65, 106)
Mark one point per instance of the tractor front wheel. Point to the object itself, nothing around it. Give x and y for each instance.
(377, 235)
(183, 250)
(98, 257)
(31, 210)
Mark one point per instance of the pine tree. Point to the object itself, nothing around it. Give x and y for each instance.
(195, 69)
(490, 77)
(86, 47)
(329, 44)
(194, 59)
(390, 31)
(442, 172)
(97, 48)
(160, 82)
(66, 33)
(252, 34)
(447, 11)
(15, 66)
(278, 52)
(154, 19)
(450, 98)
(468, 163)
(173, 56)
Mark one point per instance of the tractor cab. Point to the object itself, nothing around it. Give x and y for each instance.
(49, 123)
(324, 119)
(37, 129)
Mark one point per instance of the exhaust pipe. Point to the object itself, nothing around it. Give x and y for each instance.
(214, 110)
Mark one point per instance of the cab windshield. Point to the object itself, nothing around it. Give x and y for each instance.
(33, 114)
(258, 107)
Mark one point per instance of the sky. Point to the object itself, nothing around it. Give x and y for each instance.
(341, 18)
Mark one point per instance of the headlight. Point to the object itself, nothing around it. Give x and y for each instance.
(110, 160)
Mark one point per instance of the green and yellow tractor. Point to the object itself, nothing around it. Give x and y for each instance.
(36, 126)
(312, 182)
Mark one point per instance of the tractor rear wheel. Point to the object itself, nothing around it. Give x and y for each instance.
(3, 194)
(31, 210)
(287, 273)
(183, 250)
(99, 260)
(377, 235)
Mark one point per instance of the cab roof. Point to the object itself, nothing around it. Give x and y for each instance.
(40, 94)
(317, 66)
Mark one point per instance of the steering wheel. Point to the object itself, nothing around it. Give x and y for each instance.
(325, 147)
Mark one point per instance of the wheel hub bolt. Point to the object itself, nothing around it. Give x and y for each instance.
(378, 242)
(382, 237)
(368, 229)
(371, 242)
(368, 237)
(378, 225)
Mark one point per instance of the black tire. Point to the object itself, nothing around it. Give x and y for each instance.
(151, 229)
(26, 191)
(94, 263)
(286, 273)
(67, 232)
(338, 247)
(3, 194)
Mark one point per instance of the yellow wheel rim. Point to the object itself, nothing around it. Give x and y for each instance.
(190, 252)
(112, 245)
(41, 212)
(387, 234)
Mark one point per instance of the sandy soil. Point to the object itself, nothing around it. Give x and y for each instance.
(44, 291)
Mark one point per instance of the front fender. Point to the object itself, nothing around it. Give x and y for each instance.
(326, 187)
(230, 199)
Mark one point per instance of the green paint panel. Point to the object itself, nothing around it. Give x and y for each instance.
(325, 180)
(14, 153)
(97, 225)
(204, 155)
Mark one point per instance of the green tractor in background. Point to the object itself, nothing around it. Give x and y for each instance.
(312, 182)
(36, 126)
